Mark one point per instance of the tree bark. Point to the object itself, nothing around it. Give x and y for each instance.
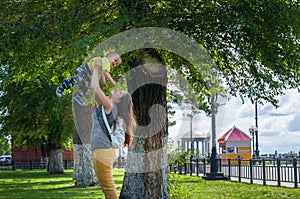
(55, 161)
(146, 164)
(83, 174)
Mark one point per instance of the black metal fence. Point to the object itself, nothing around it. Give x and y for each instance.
(264, 171)
(278, 171)
(31, 165)
(119, 163)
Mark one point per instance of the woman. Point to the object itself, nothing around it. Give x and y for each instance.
(118, 109)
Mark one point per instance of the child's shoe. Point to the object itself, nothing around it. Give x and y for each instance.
(59, 91)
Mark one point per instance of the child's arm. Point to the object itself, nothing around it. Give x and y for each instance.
(103, 81)
(107, 75)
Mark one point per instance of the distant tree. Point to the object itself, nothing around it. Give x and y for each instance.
(5, 146)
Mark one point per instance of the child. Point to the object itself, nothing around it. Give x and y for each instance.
(108, 62)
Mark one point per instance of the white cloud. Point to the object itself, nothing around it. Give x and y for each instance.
(278, 129)
(294, 124)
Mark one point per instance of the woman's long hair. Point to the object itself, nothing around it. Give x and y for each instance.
(125, 110)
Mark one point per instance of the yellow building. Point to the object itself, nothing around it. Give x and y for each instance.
(234, 145)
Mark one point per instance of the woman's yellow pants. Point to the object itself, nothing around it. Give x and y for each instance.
(103, 160)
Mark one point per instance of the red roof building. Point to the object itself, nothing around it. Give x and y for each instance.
(235, 144)
(234, 134)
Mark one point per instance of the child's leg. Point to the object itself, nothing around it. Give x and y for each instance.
(66, 84)
(59, 91)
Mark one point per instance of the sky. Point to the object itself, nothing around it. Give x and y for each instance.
(278, 129)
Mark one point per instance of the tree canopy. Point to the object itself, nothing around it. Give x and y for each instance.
(255, 46)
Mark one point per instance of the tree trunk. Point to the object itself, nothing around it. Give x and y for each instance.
(83, 174)
(55, 164)
(146, 164)
(55, 161)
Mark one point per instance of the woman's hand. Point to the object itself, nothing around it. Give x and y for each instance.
(98, 63)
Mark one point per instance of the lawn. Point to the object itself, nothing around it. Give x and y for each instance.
(39, 184)
(186, 187)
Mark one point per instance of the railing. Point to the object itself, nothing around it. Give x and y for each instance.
(31, 165)
(264, 171)
(119, 163)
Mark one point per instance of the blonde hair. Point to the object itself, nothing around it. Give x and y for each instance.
(115, 55)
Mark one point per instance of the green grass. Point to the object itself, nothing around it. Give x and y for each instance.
(186, 187)
(39, 184)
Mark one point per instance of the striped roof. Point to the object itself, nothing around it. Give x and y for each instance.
(234, 134)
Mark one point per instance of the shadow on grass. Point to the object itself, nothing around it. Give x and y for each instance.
(32, 174)
(40, 184)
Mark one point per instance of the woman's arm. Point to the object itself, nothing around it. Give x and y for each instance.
(98, 94)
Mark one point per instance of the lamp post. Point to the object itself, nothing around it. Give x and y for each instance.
(191, 132)
(256, 132)
(191, 128)
(214, 161)
(252, 130)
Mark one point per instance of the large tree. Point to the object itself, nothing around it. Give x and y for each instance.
(39, 49)
(255, 46)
